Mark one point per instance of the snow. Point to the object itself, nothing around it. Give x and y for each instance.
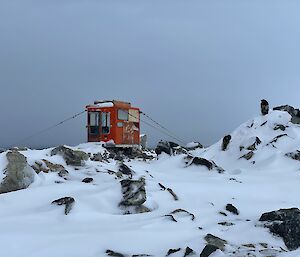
(32, 226)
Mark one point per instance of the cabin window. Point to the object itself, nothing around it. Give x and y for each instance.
(105, 122)
(94, 123)
(134, 115)
(122, 114)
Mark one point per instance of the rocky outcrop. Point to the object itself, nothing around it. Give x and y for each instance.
(231, 208)
(169, 148)
(225, 142)
(295, 113)
(286, 224)
(72, 157)
(198, 161)
(294, 155)
(134, 195)
(264, 107)
(19, 175)
(213, 244)
(67, 201)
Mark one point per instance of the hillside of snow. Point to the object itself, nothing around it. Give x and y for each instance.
(184, 201)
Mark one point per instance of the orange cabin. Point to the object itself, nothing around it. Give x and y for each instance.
(113, 121)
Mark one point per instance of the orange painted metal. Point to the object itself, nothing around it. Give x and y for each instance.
(121, 132)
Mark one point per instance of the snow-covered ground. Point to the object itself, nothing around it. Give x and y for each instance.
(31, 226)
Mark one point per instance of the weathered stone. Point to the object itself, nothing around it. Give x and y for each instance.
(248, 155)
(253, 146)
(52, 166)
(97, 157)
(171, 251)
(294, 155)
(226, 223)
(216, 241)
(67, 201)
(264, 107)
(39, 167)
(190, 160)
(72, 157)
(295, 113)
(225, 142)
(286, 224)
(208, 250)
(188, 251)
(231, 208)
(169, 148)
(87, 180)
(19, 175)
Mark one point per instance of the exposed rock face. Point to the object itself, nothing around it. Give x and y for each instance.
(231, 208)
(67, 201)
(286, 224)
(264, 107)
(295, 113)
(255, 143)
(19, 175)
(216, 241)
(72, 157)
(190, 160)
(225, 143)
(169, 148)
(294, 155)
(134, 195)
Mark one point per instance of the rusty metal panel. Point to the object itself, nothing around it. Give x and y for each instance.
(128, 133)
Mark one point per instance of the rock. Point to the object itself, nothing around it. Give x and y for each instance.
(72, 157)
(280, 126)
(294, 155)
(134, 195)
(190, 160)
(183, 211)
(226, 223)
(215, 241)
(295, 113)
(286, 224)
(248, 155)
(231, 208)
(171, 251)
(52, 166)
(208, 250)
(19, 175)
(114, 254)
(275, 139)
(256, 142)
(97, 157)
(225, 143)
(87, 180)
(39, 167)
(193, 146)
(264, 107)
(124, 169)
(169, 148)
(63, 174)
(67, 201)
(188, 251)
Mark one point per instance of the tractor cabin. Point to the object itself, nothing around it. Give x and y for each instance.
(114, 122)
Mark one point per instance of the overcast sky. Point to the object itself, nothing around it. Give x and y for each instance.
(198, 67)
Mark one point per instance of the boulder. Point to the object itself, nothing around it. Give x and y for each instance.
(208, 250)
(67, 201)
(215, 241)
(225, 142)
(19, 175)
(72, 157)
(231, 208)
(125, 170)
(87, 180)
(247, 156)
(188, 251)
(264, 107)
(295, 113)
(294, 155)
(134, 195)
(286, 224)
(193, 146)
(169, 148)
(198, 161)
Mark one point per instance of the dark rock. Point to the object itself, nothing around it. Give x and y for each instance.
(225, 223)
(223, 213)
(114, 254)
(275, 139)
(264, 107)
(188, 251)
(225, 143)
(231, 208)
(253, 146)
(63, 174)
(72, 157)
(202, 162)
(294, 155)
(19, 175)
(216, 241)
(171, 251)
(286, 224)
(248, 155)
(173, 194)
(280, 126)
(97, 157)
(52, 166)
(171, 217)
(208, 250)
(169, 148)
(295, 113)
(87, 180)
(134, 195)
(183, 211)
(67, 201)
(124, 169)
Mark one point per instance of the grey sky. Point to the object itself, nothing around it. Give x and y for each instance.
(199, 67)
